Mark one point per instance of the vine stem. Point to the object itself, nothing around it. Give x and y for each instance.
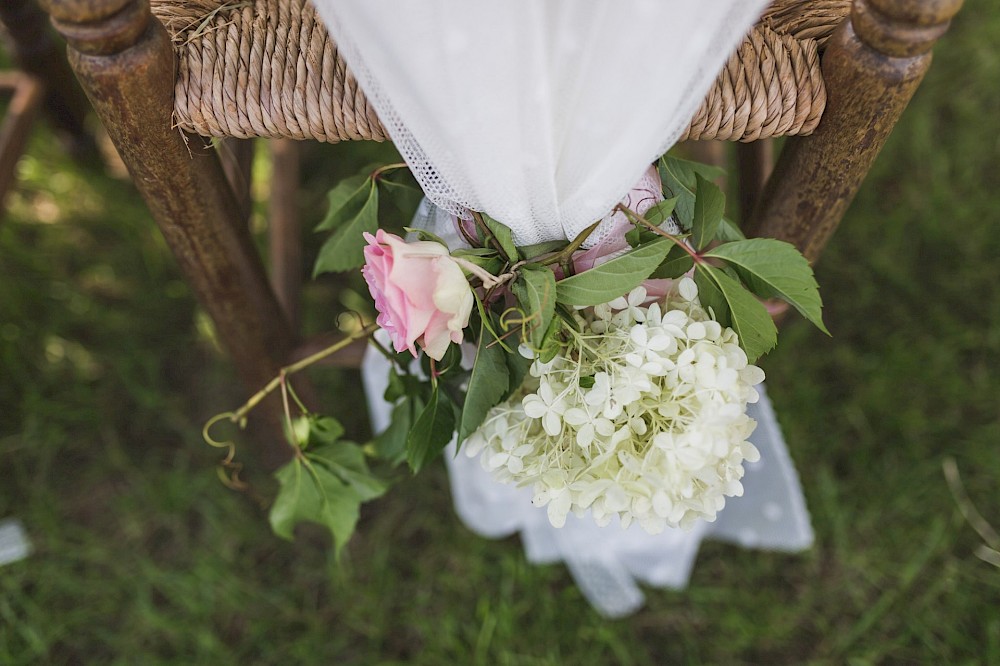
(377, 173)
(567, 252)
(240, 414)
(635, 217)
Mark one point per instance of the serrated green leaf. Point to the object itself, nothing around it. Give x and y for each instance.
(345, 201)
(775, 269)
(347, 461)
(679, 179)
(487, 384)
(675, 264)
(312, 493)
(747, 316)
(711, 298)
(344, 250)
(535, 290)
(661, 211)
(709, 207)
(504, 236)
(729, 231)
(324, 430)
(612, 279)
(431, 432)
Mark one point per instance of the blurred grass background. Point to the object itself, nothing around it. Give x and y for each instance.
(107, 371)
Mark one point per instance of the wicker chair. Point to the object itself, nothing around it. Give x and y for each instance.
(268, 69)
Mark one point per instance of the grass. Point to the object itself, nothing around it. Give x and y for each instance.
(142, 556)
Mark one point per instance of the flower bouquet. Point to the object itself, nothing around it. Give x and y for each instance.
(610, 372)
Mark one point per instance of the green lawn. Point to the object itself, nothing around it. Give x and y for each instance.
(142, 556)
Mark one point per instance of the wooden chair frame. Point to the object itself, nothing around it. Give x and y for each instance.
(124, 59)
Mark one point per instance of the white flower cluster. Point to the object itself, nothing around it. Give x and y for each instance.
(642, 415)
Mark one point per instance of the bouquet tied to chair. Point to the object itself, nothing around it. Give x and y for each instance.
(610, 372)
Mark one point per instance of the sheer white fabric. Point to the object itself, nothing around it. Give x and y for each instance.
(609, 563)
(542, 113)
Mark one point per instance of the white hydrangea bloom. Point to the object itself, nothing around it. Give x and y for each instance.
(642, 415)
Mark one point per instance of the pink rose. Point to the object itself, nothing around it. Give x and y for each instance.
(421, 294)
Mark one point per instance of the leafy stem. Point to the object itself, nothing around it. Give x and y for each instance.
(239, 416)
(566, 253)
(639, 219)
(377, 173)
(490, 236)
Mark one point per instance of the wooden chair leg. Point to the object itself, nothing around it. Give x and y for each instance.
(754, 163)
(285, 227)
(126, 64)
(26, 93)
(36, 52)
(872, 66)
(236, 156)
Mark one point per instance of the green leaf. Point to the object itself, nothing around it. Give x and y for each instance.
(324, 430)
(660, 212)
(390, 444)
(729, 231)
(313, 493)
(679, 179)
(486, 258)
(346, 200)
(553, 341)
(344, 250)
(405, 197)
(614, 278)
(711, 298)
(517, 370)
(744, 313)
(775, 269)
(396, 388)
(535, 290)
(347, 461)
(677, 263)
(424, 235)
(504, 236)
(487, 384)
(539, 249)
(709, 207)
(431, 432)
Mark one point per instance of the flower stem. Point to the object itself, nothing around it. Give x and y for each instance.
(240, 414)
(639, 219)
(377, 173)
(567, 252)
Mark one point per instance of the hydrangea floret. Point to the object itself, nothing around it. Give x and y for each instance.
(642, 415)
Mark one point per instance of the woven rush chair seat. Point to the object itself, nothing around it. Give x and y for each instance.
(268, 68)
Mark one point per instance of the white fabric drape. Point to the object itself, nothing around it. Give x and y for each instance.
(542, 113)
